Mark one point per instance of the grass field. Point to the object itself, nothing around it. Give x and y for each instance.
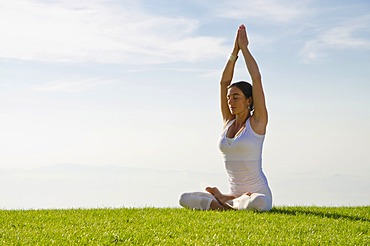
(172, 226)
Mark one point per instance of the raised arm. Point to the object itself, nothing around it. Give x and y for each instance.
(260, 117)
(226, 78)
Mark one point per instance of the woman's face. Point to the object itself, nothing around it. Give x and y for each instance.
(236, 100)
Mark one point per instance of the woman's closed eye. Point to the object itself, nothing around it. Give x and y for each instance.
(232, 97)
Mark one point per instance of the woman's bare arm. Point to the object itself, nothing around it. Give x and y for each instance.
(226, 79)
(260, 116)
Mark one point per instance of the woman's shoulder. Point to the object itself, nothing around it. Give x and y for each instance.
(256, 128)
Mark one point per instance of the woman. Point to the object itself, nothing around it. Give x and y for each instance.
(245, 119)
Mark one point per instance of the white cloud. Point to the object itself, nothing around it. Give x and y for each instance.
(271, 11)
(70, 85)
(343, 36)
(67, 31)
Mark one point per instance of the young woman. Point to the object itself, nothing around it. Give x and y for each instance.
(245, 119)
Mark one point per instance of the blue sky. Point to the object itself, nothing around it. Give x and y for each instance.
(135, 84)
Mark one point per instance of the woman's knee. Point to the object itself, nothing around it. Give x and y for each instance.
(184, 199)
(254, 201)
(260, 202)
(195, 200)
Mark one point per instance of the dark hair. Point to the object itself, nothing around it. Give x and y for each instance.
(246, 88)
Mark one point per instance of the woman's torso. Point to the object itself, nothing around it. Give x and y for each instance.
(243, 160)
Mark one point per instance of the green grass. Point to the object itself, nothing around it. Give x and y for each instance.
(171, 226)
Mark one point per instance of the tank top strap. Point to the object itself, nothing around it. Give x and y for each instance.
(229, 124)
(249, 128)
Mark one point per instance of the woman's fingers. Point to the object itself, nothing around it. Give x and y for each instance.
(242, 36)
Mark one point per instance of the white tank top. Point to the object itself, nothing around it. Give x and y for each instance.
(243, 161)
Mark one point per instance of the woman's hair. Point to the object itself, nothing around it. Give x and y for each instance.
(246, 88)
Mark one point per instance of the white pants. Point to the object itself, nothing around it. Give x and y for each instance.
(202, 201)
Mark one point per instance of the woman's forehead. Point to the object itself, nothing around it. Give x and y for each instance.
(234, 91)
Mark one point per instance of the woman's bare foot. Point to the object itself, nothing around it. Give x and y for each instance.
(221, 198)
(213, 190)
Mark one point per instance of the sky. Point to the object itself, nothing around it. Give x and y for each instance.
(103, 101)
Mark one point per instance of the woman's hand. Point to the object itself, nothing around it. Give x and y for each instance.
(242, 37)
(236, 44)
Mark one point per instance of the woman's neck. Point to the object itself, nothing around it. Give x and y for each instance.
(241, 118)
